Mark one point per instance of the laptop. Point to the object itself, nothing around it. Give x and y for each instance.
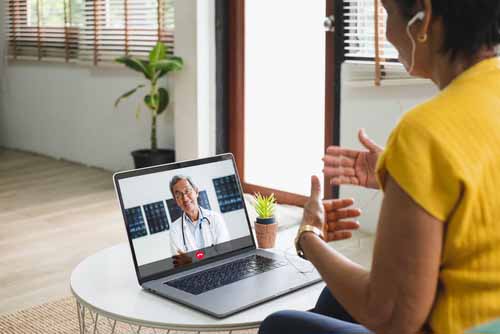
(191, 239)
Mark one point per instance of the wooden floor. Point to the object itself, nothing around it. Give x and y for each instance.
(53, 214)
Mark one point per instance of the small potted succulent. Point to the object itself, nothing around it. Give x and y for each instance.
(266, 227)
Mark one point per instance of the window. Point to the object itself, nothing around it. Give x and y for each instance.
(369, 55)
(284, 94)
(360, 34)
(281, 97)
(87, 30)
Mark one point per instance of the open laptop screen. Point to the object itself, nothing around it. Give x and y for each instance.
(181, 214)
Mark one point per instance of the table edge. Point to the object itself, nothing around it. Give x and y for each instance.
(169, 326)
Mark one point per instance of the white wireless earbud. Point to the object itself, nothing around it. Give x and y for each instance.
(419, 16)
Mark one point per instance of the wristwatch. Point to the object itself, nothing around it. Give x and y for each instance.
(304, 229)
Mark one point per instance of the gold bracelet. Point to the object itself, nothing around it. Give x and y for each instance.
(304, 229)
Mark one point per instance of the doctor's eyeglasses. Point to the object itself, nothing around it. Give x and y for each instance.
(187, 192)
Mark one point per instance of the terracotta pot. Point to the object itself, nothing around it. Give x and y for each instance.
(266, 234)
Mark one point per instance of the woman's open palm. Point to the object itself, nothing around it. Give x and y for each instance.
(346, 166)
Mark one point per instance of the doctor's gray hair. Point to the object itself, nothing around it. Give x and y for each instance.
(177, 178)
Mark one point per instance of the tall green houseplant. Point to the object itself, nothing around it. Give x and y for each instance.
(156, 98)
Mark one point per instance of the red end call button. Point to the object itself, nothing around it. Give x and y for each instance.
(200, 255)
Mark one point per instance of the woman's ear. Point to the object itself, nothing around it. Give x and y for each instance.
(426, 22)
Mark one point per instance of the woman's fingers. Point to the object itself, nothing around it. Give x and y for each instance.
(342, 226)
(335, 161)
(335, 236)
(339, 151)
(335, 215)
(336, 210)
(368, 142)
(335, 204)
(339, 171)
(339, 165)
(339, 180)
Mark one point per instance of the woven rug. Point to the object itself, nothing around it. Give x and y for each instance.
(60, 317)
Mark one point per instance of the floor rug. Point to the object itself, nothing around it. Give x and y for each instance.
(60, 317)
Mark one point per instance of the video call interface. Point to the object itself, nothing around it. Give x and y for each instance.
(202, 216)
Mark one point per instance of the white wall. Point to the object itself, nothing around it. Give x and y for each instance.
(66, 111)
(377, 109)
(194, 90)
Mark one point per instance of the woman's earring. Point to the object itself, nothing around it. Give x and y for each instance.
(422, 38)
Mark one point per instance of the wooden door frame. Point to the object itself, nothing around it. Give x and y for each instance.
(235, 88)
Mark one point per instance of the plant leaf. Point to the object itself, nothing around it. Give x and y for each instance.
(149, 101)
(127, 94)
(265, 205)
(150, 71)
(159, 52)
(136, 65)
(163, 100)
(177, 59)
(169, 65)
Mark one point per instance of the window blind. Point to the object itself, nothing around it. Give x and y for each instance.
(366, 48)
(91, 31)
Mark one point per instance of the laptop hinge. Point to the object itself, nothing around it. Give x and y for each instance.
(200, 264)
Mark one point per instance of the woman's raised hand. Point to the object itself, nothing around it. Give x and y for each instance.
(335, 217)
(345, 166)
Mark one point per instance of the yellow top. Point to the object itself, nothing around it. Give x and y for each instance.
(445, 154)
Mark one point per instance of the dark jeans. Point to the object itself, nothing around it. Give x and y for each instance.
(327, 317)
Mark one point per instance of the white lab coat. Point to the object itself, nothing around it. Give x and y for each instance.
(214, 233)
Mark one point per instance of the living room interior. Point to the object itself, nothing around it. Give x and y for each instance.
(62, 137)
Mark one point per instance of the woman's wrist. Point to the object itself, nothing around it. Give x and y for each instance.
(304, 231)
(307, 237)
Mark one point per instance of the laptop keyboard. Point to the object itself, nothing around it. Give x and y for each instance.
(225, 274)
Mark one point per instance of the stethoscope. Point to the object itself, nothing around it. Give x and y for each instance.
(201, 221)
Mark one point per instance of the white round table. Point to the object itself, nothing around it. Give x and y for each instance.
(105, 286)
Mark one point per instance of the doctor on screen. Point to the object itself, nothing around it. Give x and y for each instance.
(197, 227)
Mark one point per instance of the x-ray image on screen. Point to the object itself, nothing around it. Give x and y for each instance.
(156, 217)
(175, 212)
(203, 200)
(135, 222)
(228, 193)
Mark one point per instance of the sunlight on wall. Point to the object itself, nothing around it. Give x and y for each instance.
(284, 93)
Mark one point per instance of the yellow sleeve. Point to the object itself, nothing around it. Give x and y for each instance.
(417, 160)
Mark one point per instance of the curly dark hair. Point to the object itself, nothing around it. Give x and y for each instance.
(469, 24)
